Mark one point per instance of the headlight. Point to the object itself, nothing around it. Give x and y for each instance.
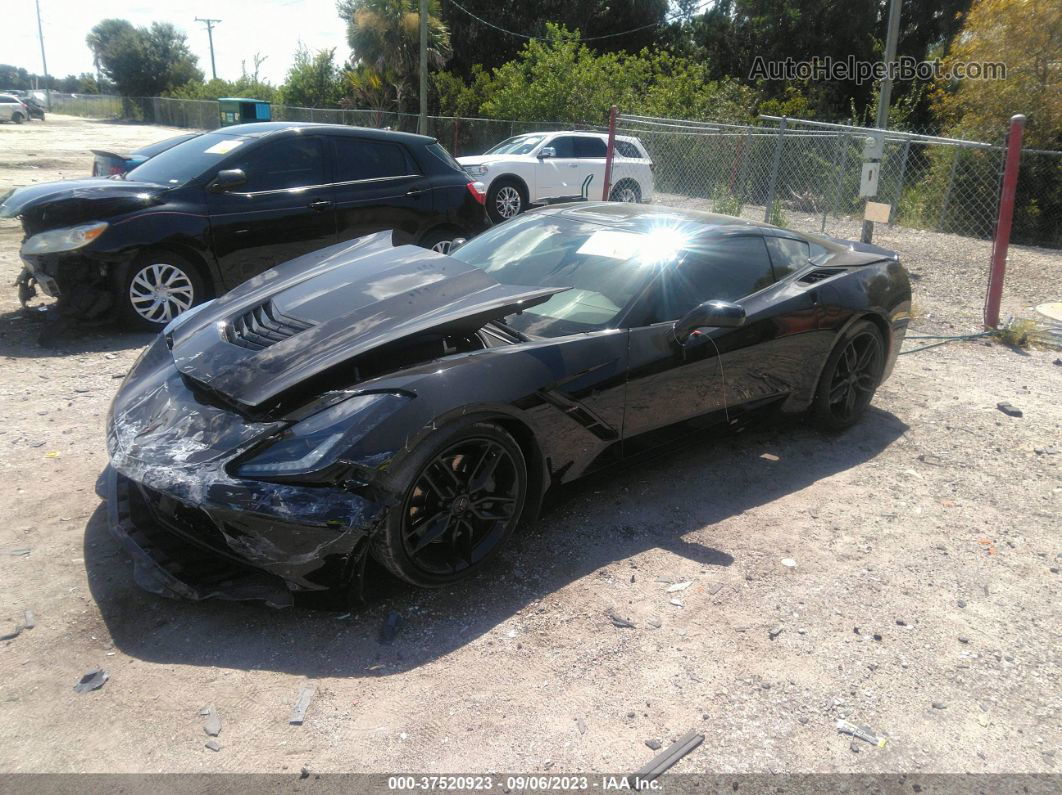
(478, 170)
(68, 239)
(314, 443)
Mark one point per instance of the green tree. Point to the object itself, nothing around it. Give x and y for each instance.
(385, 36)
(1027, 36)
(476, 43)
(313, 80)
(143, 62)
(560, 79)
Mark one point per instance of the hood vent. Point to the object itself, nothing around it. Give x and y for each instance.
(819, 274)
(261, 327)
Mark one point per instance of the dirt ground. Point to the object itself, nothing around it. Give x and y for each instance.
(924, 602)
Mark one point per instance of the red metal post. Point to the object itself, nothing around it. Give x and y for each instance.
(1006, 216)
(613, 114)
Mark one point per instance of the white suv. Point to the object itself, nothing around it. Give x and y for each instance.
(12, 109)
(535, 167)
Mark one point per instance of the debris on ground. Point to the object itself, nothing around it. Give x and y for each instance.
(580, 724)
(29, 622)
(213, 745)
(667, 758)
(1009, 410)
(789, 563)
(212, 725)
(774, 633)
(390, 627)
(654, 745)
(769, 457)
(862, 732)
(302, 703)
(93, 680)
(618, 620)
(19, 552)
(654, 622)
(677, 603)
(939, 705)
(10, 631)
(679, 586)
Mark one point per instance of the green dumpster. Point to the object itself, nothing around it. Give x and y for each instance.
(240, 110)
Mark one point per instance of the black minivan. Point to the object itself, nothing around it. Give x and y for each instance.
(198, 219)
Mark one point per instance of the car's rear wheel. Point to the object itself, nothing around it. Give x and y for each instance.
(439, 240)
(157, 288)
(463, 491)
(506, 199)
(17, 118)
(626, 190)
(850, 378)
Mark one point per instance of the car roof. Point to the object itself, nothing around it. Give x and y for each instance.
(263, 128)
(642, 217)
(11, 96)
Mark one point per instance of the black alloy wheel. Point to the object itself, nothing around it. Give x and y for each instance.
(464, 499)
(850, 378)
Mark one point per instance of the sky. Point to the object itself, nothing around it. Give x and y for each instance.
(271, 27)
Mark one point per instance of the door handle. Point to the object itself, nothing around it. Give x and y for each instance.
(320, 204)
(415, 192)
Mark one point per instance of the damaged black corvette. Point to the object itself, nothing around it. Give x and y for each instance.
(415, 406)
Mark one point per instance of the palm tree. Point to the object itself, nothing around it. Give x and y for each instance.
(101, 36)
(385, 35)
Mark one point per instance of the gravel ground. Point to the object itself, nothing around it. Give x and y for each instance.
(924, 601)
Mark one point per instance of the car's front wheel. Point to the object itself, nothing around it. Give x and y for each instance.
(463, 491)
(439, 240)
(850, 377)
(157, 288)
(506, 199)
(18, 118)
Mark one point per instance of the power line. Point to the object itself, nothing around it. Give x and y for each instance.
(666, 21)
(210, 23)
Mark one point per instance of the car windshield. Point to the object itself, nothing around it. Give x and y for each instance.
(604, 267)
(188, 160)
(518, 145)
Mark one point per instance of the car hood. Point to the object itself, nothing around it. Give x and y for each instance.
(317, 313)
(55, 204)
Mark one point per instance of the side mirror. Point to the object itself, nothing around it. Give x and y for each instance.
(546, 151)
(715, 314)
(456, 243)
(227, 179)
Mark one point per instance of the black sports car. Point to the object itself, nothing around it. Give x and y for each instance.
(416, 405)
(209, 213)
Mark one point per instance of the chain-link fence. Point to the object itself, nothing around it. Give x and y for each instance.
(807, 175)
(462, 136)
(791, 172)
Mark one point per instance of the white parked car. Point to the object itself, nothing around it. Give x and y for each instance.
(535, 167)
(12, 109)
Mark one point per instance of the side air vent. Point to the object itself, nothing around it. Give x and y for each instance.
(261, 327)
(819, 274)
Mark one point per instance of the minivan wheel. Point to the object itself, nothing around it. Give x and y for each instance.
(159, 287)
(18, 118)
(506, 199)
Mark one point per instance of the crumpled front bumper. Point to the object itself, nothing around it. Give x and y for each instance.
(194, 530)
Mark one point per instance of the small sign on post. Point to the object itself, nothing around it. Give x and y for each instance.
(868, 183)
(878, 212)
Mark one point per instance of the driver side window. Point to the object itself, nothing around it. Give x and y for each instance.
(293, 162)
(726, 268)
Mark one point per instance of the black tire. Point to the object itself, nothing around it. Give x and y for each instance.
(429, 538)
(851, 376)
(506, 198)
(439, 240)
(173, 272)
(626, 190)
(17, 118)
